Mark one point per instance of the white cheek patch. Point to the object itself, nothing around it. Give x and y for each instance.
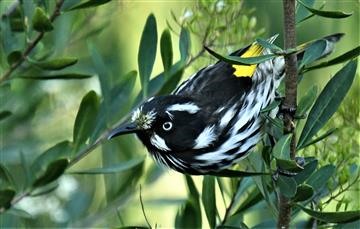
(188, 107)
(205, 138)
(159, 142)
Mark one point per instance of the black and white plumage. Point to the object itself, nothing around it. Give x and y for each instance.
(212, 120)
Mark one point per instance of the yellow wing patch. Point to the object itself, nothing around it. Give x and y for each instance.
(248, 70)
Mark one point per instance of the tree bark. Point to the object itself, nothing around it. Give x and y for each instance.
(289, 103)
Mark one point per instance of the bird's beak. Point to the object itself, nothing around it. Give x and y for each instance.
(126, 128)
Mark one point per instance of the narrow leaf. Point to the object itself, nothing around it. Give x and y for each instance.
(119, 167)
(6, 195)
(40, 21)
(166, 50)
(5, 175)
(14, 56)
(325, 135)
(241, 60)
(313, 52)
(184, 44)
(189, 215)
(301, 12)
(147, 52)
(53, 171)
(309, 168)
(85, 118)
(327, 14)
(271, 106)
(328, 101)
(332, 217)
(303, 192)
(288, 165)
(56, 64)
(58, 151)
(287, 186)
(209, 200)
(267, 45)
(307, 101)
(64, 76)
(89, 4)
(337, 60)
(281, 149)
(318, 179)
(4, 114)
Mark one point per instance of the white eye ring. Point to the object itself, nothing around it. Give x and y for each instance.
(167, 126)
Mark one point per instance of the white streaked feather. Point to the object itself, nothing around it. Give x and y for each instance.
(205, 138)
(188, 107)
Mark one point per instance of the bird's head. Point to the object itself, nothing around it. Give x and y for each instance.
(166, 123)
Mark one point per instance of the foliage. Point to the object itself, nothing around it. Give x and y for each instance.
(40, 42)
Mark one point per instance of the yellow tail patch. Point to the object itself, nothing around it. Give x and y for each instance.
(248, 70)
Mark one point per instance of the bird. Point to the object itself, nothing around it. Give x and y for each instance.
(212, 120)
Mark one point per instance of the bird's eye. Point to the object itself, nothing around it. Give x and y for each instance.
(167, 126)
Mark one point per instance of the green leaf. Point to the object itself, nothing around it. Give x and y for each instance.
(14, 56)
(58, 151)
(309, 168)
(281, 149)
(184, 44)
(53, 171)
(64, 76)
(241, 60)
(267, 45)
(303, 192)
(147, 52)
(288, 165)
(327, 14)
(119, 167)
(4, 114)
(337, 60)
(105, 77)
(6, 196)
(325, 135)
(5, 176)
(86, 118)
(328, 101)
(19, 213)
(313, 52)
(189, 216)
(236, 173)
(306, 101)
(318, 179)
(332, 217)
(56, 64)
(166, 50)
(271, 106)
(173, 79)
(287, 186)
(209, 199)
(40, 21)
(89, 4)
(301, 12)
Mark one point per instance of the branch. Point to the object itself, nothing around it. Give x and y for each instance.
(289, 104)
(31, 45)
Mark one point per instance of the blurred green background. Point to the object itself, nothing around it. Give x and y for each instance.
(45, 111)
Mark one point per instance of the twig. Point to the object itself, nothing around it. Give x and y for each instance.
(31, 45)
(143, 209)
(289, 104)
